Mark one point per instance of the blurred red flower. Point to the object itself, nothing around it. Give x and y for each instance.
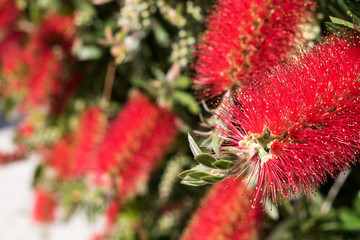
(87, 139)
(125, 134)
(152, 148)
(225, 213)
(44, 206)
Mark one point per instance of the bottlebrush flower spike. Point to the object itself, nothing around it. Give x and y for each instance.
(225, 213)
(9, 13)
(8, 157)
(40, 78)
(152, 148)
(299, 125)
(112, 212)
(245, 37)
(124, 136)
(59, 157)
(55, 30)
(12, 62)
(87, 138)
(48, 56)
(11, 49)
(44, 206)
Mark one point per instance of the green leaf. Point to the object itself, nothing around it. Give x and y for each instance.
(353, 6)
(183, 82)
(193, 182)
(138, 82)
(158, 73)
(215, 143)
(193, 146)
(161, 36)
(335, 28)
(90, 52)
(199, 175)
(229, 156)
(205, 159)
(350, 220)
(186, 99)
(37, 175)
(223, 164)
(213, 179)
(202, 168)
(342, 22)
(183, 174)
(356, 203)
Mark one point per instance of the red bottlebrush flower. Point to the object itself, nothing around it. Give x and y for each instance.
(62, 89)
(9, 13)
(87, 138)
(55, 30)
(59, 157)
(51, 79)
(245, 37)
(152, 149)
(302, 123)
(44, 206)
(12, 62)
(18, 154)
(225, 213)
(11, 49)
(112, 212)
(126, 132)
(45, 71)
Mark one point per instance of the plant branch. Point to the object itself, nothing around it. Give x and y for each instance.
(108, 85)
(334, 190)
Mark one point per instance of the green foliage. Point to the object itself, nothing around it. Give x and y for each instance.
(354, 7)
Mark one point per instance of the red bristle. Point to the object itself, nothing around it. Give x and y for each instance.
(245, 37)
(305, 116)
(225, 213)
(152, 148)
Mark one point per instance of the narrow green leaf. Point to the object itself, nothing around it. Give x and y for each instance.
(183, 174)
(202, 168)
(215, 143)
(223, 164)
(187, 100)
(212, 179)
(354, 7)
(37, 175)
(229, 156)
(205, 159)
(335, 28)
(193, 146)
(198, 175)
(138, 82)
(194, 183)
(341, 22)
(161, 36)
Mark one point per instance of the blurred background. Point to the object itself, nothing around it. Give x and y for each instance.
(97, 99)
